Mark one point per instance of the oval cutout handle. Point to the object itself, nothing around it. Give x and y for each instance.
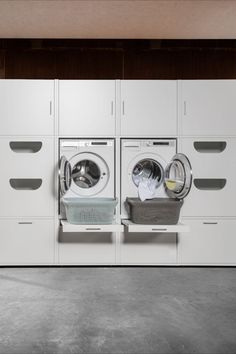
(25, 146)
(209, 146)
(25, 183)
(209, 183)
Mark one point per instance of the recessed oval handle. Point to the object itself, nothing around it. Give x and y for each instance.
(209, 146)
(25, 146)
(209, 183)
(25, 183)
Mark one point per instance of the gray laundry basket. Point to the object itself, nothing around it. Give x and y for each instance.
(90, 210)
(157, 211)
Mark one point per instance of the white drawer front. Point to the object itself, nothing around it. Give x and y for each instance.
(209, 241)
(87, 248)
(154, 248)
(27, 177)
(26, 241)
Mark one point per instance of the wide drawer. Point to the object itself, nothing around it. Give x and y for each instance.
(26, 241)
(148, 248)
(209, 242)
(86, 248)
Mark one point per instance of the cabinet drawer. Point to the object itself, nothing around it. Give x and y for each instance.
(213, 192)
(149, 248)
(27, 177)
(26, 107)
(208, 242)
(26, 241)
(87, 248)
(208, 107)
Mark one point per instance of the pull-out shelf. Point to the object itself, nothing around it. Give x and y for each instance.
(67, 227)
(132, 227)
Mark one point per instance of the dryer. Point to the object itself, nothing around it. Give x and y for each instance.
(87, 168)
(155, 159)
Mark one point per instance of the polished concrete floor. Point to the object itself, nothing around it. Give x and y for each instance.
(117, 310)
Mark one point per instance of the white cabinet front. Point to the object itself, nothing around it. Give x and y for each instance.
(87, 248)
(26, 241)
(209, 242)
(208, 107)
(148, 248)
(26, 107)
(27, 177)
(148, 108)
(87, 107)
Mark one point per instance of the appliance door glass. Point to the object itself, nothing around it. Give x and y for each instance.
(147, 169)
(64, 175)
(89, 175)
(86, 174)
(178, 177)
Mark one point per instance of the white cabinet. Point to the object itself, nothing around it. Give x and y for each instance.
(148, 248)
(26, 107)
(208, 107)
(213, 191)
(87, 248)
(148, 108)
(27, 177)
(26, 241)
(87, 107)
(209, 242)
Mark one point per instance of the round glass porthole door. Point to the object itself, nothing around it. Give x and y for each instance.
(178, 177)
(64, 175)
(90, 174)
(86, 174)
(147, 169)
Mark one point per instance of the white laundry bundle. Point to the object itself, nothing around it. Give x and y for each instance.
(146, 188)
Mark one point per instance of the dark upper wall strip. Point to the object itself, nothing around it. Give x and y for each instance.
(117, 59)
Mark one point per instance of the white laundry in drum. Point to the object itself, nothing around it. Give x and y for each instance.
(147, 188)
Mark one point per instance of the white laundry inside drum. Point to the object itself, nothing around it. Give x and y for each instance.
(147, 176)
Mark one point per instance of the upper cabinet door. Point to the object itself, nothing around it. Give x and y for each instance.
(86, 107)
(148, 108)
(26, 107)
(208, 107)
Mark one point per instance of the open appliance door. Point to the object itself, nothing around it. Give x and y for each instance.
(64, 175)
(178, 177)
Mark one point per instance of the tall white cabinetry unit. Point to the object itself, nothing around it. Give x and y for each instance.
(27, 174)
(148, 108)
(207, 110)
(87, 108)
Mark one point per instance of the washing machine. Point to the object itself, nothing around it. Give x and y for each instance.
(155, 160)
(87, 169)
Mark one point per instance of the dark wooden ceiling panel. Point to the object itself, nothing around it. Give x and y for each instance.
(89, 64)
(29, 64)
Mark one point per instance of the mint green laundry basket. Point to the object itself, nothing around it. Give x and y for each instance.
(94, 211)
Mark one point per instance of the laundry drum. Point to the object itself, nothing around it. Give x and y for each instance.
(86, 174)
(147, 169)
